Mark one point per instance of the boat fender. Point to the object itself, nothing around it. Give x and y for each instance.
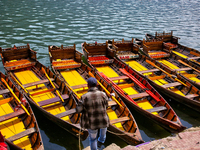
(24, 101)
(17, 107)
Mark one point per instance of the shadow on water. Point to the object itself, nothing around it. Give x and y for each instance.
(53, 136)
(148, 129)
(56, 138)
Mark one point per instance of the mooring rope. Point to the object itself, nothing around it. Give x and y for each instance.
(79, 139)
(117, 133)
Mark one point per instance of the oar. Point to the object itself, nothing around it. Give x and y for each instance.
(15, 96)
(151, 63)
(52, 84)
(140, 84)
(105, 90)
(24, 89)
(188, 66)
(117, 87)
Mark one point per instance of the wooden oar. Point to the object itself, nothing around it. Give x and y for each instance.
(24, 89)
(151, 63)
(139, 84)
(117, 87)
(15, 96)
(105, 89)
(182, 62)
(52, 84)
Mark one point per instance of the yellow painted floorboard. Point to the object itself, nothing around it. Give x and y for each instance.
(29, 76)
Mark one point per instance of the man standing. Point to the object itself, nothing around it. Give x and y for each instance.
(93, 106)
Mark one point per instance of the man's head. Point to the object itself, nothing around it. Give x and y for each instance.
(92, 82)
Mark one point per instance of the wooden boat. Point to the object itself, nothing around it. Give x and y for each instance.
(183, 67)
(165, 80)
(18, 124)
(43, 89)
(175, 63)
(171, 42)
(133, 88)
(67, 65)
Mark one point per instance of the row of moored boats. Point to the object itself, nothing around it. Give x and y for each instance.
(136, 71)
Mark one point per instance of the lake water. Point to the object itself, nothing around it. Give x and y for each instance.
(54, 22)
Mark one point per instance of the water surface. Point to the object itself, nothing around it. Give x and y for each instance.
(54, 22)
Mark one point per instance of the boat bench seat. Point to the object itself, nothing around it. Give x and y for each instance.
(171, 85)
(22, 134)
(4, 91)
(140, 95)
(157, 109)
(12, 115)
(157, 77)
(121, 119)
(193, 58)
(119, 78)
(36, 83)
(66, 113)
(191, 96)
(6, 100)
(183, 69)
(79, 86)
(72, 111)
(53, 100)
(150, 70)
(112, 103)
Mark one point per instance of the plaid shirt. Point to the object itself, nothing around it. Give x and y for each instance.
(93, 106)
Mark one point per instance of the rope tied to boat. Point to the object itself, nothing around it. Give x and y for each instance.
(119, 133)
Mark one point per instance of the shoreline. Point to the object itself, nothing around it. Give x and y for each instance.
(185, 140)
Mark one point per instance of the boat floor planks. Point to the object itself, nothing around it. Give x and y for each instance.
(73, 78)
(13, 126)
(29, 77)
(17, 118)
(109, 72)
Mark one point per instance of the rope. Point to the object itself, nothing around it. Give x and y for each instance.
(118, 133)
(79, 139)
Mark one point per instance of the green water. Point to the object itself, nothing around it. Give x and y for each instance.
(54, 22)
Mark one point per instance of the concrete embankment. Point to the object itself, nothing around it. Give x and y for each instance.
(187, 140)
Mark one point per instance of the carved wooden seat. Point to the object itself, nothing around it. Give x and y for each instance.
(171, 85)
(183, 69)
(53, 100)
(121, 119)
(140, 95)
(4, 91)
(12, 115)
(37, 82)
(157, 109)
(22, 134)
(150, 70)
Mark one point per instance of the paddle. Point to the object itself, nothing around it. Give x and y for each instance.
(105, 89)
(24, 89)
(117, 87)
(139, 84)
(151, 63)
(15, 96)
(52, 84)
(188, 66)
